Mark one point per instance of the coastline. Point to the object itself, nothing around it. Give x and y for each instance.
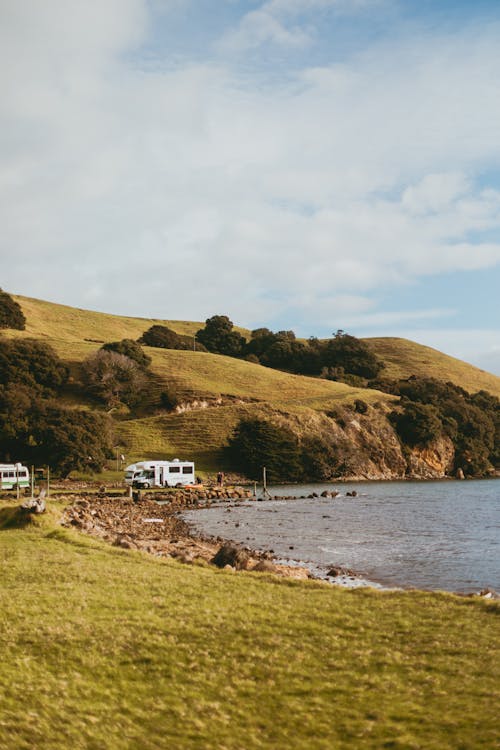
(172, 530)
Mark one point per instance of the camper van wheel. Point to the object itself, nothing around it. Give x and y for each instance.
(178, 484)
(146, 485)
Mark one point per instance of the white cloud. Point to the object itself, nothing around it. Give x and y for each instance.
(270, 23)
(190, 190)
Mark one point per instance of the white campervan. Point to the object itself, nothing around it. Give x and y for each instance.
(12, 475)
(146, 474)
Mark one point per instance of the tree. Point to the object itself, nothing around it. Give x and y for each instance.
(39, 431)
(113, 378)
(257, 443)
(130, 349)
(70, 440)
(320, 460)
(31, 363)
(352, 354)
(417, 424)
(11, 315)
(165, 338)
(219, 337)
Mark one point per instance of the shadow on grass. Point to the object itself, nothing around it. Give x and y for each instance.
(14, 518)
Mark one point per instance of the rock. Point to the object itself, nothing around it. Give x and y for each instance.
(264, 566)
(34, 505)
(230, 554)
(460, 474)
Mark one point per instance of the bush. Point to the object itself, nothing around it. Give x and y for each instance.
(417, 424)
(31, 363)
(113, 378)
(11, 315)
(169, 398)
(162, 337)
(39, 431)
(218, 336)
(257, 443)
(320, 460)
(130, 349)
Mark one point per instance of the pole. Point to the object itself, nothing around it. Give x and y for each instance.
(17, 481)
(48, 481)
(32, 482)
(264, 479)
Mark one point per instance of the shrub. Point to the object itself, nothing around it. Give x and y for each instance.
(257, 443)
(113, 378)
(11, 315)
(219, 337)
(320, 461)
(31, 363)
(162, 337)
(169, 398)
(417, 424)
(130, 349)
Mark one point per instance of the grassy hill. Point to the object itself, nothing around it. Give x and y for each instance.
(236, 388)
(403, 358)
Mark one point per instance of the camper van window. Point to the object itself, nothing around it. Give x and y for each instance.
(187, 469)
(174, 469)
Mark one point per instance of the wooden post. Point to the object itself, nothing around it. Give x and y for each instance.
(32, 482)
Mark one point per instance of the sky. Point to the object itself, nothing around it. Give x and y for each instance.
(311, 165)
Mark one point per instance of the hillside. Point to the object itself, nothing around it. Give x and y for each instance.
(216, 392)
(403, 358)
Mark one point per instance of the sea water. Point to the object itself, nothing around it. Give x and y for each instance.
(427, 535)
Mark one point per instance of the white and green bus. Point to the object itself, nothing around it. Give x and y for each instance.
(13, 475)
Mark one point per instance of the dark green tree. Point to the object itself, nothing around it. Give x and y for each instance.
(219, 337)
(11, 315)
(352, 354)
(163, 337)
(257, 443)
(32, 363)
(417, 424)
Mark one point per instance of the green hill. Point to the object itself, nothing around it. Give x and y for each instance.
(403, 358)
(216, 391)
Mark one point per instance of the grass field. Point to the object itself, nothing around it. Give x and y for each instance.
(110, 649)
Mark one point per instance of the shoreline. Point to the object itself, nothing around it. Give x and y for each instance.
(138, 524)
(344, 578)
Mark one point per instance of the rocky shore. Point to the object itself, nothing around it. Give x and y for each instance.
(142, 523)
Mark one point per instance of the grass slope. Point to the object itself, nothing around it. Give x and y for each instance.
(404, 358)
(200, 434)
(110, 649)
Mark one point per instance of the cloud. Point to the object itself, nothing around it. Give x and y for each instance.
(193, 189)
(270, 23)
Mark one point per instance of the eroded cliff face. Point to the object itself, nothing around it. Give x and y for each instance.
(369, 447)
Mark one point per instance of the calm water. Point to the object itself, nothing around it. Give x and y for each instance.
(429, 535)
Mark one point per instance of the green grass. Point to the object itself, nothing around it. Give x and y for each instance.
(404, 358)
(106, 648)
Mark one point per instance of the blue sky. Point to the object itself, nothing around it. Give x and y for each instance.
(303, 164)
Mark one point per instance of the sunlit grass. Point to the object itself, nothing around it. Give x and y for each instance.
(106, 648)
(404, 358)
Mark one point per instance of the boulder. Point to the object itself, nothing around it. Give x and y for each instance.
(230, 554)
